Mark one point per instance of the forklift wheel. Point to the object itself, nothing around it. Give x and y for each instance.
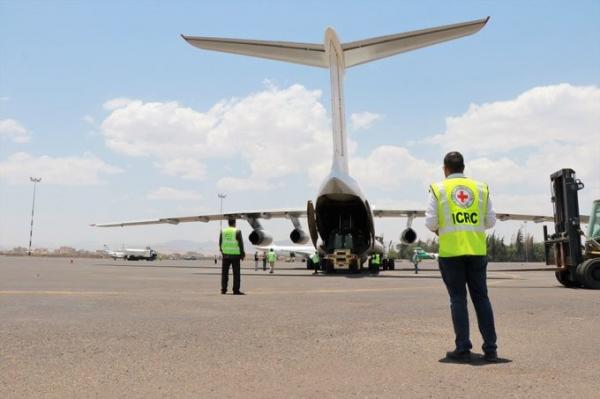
(563, 278)
(588, 273)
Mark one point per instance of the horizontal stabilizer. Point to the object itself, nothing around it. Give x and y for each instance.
(298, 53)
(356, 53)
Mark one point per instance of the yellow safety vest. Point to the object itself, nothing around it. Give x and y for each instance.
(375, 259)
(229, 244)
(461, 210)
(272, 257)
(315, 258)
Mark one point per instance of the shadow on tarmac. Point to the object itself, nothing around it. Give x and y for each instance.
(477, 360)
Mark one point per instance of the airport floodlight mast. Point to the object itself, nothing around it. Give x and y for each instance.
(221, 197)
(35, 181)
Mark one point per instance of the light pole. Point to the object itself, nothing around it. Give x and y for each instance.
(35, 181)
(526, 242)
(221, 197)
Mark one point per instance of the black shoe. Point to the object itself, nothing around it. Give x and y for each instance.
(223, 292)
(238, 293)
(459, 356)
(491, 356)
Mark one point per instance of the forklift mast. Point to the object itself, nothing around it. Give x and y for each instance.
(566, 240)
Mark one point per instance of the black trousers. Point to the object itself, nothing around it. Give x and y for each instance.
(459, 273)
(234, 262)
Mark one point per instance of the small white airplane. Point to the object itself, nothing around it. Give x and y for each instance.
(131, 253)
(113, 254)
(304, 250)
(340, 222)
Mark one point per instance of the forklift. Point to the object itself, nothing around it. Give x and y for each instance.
(577, 265)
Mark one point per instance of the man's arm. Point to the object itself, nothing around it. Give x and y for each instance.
(431, 216)
(240, 240)
(220, 242)
(490, 217)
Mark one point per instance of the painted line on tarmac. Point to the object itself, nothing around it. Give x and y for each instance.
(64, 293)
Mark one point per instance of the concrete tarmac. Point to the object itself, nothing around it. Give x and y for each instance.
(116, 329)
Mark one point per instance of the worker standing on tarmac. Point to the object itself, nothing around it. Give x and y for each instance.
(459, 212)
(256, 261)
(376, 260)
(315, 261)
(272, 257)
(232, 251)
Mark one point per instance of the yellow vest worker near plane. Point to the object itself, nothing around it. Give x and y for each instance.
(232, 251)
(459, 211)
(271, 257)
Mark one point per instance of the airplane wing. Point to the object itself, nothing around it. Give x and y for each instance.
(289, 213)
(398, 213)
(500, 216)
(277, 214)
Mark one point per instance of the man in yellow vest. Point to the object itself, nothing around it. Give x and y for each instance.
(232, 251)
(272, 257)
(459, 212)
(315, 262)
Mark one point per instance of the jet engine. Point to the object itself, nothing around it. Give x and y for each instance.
(260, 237)
(299, 236)
(408, 236)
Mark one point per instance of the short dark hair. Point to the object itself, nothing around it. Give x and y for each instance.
(454, 162)
(231, 222)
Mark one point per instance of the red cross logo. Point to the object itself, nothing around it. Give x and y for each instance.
(462, 196)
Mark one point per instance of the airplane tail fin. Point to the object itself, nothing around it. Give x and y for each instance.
(354, 53)
(337, 57)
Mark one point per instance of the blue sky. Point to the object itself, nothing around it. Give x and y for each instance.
(511, 97)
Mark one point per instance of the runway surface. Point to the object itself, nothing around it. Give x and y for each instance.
(110, 329)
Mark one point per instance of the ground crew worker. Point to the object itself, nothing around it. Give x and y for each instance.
(256, 261)
(315, 261)
(376, 260)
(264, 261)
(415, 260)
(271, 257)
(459, 211)
(232, 251)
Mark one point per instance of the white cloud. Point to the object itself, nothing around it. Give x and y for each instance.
(189, 169)
(13, 130)
(391, 168)
(67, 171)
(169, 193)
(363, 120)
(276, 131)
(542, 115)
(519, 178)
(115, 103)
(515, 145)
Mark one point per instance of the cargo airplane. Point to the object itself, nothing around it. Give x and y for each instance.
(340, 221)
